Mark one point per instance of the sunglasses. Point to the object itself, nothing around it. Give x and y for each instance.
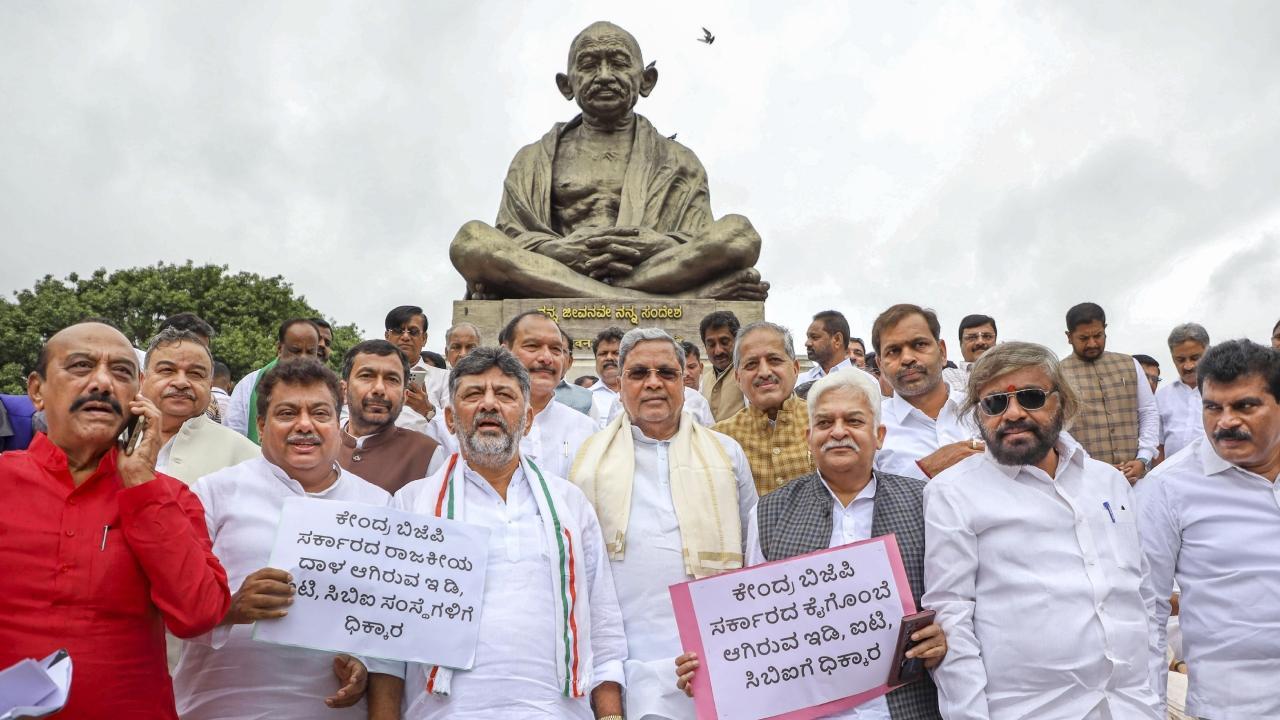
(1028, 399)
(638, 374)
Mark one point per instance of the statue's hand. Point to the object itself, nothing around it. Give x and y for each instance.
(573, 250)
(632, 244)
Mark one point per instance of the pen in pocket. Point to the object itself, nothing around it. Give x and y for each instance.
(103, 545)
(1106, 504)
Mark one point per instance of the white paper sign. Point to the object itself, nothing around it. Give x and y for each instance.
(798, 638)
(379, 582)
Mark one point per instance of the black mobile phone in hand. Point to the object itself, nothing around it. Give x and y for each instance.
(904, 669)
(133, 433)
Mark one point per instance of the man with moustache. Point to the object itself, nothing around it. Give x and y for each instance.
(847, 501)
(225, 673)
(1032, 560)
(548, 588)
(827, 345)
(673, 499)
(607, 403)
(296, 338)
(604, 348)
(1210, 520)
(925, 431)
(771, 428)
(557, 430)
(1179, 402)
(374, 374)
(1119, 422)
(325, 348)
(977, 335)
(177, 381)
(858, 353)
(717, 330)
(100, 552)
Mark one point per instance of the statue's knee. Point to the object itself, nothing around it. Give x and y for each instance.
(472, 242)
(739, 239)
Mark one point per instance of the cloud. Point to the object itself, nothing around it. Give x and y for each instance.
(969, 156)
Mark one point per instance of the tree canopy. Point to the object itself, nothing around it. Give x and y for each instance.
(245, 310)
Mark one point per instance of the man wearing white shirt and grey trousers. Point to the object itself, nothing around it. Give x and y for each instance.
(1033, 562)
(1210, 518)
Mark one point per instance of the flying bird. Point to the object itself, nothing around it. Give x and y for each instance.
(707, 37)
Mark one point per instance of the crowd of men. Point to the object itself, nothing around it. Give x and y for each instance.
(1080, 526)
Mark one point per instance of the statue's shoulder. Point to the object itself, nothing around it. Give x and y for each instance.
(676, 153)
(541, 150)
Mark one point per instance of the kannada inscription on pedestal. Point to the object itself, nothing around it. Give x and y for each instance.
(584, 319)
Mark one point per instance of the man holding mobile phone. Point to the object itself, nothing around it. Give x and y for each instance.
(100, 552)
(847, 501)
(427, 391)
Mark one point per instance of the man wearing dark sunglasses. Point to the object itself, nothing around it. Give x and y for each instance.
(1032, 560)
(1119, 422)
(1210, 520)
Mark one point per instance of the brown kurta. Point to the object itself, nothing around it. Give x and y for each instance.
(1107, 425)
(722, 393)
(390, 459)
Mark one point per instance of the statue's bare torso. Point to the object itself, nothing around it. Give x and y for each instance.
(587, 186)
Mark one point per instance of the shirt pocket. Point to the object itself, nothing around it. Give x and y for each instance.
(117, 584)
(1125, 547)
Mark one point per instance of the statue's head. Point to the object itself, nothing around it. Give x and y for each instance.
(606, 73)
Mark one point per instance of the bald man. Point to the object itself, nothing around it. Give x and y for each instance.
(100, 552)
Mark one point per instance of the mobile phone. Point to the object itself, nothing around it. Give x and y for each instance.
(132, 434)
(905, 670)
(418, 379)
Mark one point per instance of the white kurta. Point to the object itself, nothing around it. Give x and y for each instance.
(236, 416)
(652, 562)
(602, 401)
(514, 676)
(816, 372)
(224, 674)
(849, 524)
(1181, 416)
(1215, 528)
(911, 435)
(1040, 586)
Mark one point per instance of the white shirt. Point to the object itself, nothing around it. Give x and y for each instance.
(817, 373)
(849, 524)
(1148, 417)
(602, 401)
(1181, 415)
(1215, 528)
(225, 674)
(514, 676)
(653, 561)
(1042, 595)
(220, 396)
(911, 435)
(236, 415)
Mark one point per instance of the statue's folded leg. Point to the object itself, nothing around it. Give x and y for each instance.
(494, 267)
(717, 264)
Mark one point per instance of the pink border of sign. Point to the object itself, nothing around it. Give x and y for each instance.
(691, 639)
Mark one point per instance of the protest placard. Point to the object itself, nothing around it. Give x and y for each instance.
(798, 638)
(379, 582)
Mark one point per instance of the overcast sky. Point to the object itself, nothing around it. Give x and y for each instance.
(1011, 159)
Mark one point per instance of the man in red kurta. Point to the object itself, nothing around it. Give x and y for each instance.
(98, 552)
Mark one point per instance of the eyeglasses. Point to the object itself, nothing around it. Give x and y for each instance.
(1028, 399)
(410, 331)
(989, 337)
(640, 374)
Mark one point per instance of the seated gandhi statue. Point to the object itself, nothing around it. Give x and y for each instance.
(603, 206)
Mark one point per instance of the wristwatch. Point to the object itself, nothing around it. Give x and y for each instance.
(610, 717)
(1146, 463)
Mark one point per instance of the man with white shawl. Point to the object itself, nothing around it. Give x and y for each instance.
(682, 491)
(551, 643)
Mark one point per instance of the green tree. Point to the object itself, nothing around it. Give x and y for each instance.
(244, 308)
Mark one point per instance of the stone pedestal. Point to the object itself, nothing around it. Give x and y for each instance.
(583, 319)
